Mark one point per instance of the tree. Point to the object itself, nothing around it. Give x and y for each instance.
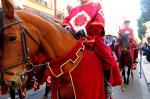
(145, 16)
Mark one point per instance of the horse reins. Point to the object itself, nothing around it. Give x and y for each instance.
(27, 59)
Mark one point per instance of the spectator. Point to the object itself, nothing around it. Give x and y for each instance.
(146, 49)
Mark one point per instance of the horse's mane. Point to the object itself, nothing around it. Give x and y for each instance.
(24, 14)
(124, 37)
(124, 40)
(48, 18)
(59, 39)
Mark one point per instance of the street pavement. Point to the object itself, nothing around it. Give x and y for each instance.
(31, 94)
(137, 88)
(146, 70)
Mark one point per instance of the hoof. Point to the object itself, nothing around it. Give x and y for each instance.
(127, 82)
(44, 97)
(133, 66)
(132, 77)
(122, 89)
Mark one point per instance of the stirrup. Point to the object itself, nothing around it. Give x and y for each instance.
(109, 90)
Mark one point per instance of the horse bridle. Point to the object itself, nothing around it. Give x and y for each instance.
(27, 60)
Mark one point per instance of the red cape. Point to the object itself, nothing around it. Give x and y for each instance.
(87, 77)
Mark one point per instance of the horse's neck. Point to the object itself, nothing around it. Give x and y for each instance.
(54, 40)
(57, 44)
(125, 44)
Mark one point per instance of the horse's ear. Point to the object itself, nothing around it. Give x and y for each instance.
(8, 9)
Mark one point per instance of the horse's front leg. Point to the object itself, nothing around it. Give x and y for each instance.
(123, 67)
(123, 74)
(12, 93)
(20, 94)
(129, 68)
(132, 74)
(128, 75)
(47, 90)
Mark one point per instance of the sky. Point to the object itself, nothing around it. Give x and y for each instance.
(116, 11)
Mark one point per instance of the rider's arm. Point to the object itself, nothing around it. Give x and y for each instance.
(97, 24)
(66, 21)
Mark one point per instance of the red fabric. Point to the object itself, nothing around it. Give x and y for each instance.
(85, 16)
(55, 64)
(108, 62)
(94, 23)
(47, 77)
(104, 52)
(4, 89)
(39, 58)
(136, 53)
(115, 78)
(87, 77)
(126, 30)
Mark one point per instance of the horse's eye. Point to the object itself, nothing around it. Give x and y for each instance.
(12, 37)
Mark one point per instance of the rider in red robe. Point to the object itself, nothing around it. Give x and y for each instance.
(88, 19)
(127, 29)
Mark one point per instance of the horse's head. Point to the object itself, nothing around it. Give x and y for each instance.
(14, 58)
(124, 41)
(22, 36)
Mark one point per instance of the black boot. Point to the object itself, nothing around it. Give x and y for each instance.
(108, 87)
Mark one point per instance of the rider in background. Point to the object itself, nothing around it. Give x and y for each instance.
(127, 29)
(87, 20)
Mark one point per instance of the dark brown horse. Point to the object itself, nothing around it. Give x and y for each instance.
(125, 58)
(25, 34)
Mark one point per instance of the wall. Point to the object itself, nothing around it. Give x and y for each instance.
(35, 5)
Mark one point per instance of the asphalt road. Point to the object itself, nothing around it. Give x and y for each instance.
(137, 88)
(31, 94)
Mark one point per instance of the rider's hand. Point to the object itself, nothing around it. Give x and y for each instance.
(81, 33)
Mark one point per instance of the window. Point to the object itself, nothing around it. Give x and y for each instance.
(47, 3)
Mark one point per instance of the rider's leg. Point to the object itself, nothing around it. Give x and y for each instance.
(46, 90)
(105, 54)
